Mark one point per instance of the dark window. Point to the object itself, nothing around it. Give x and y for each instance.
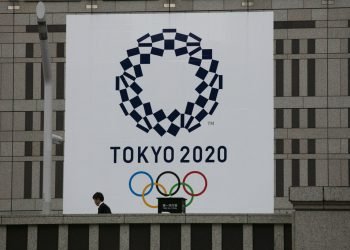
(295, 146)
(295, 118)
(16, 237)
(108, 237)
(294, 24)
(42, 120)
(232, 236)
(279, 77)
(295, 46)
(29, 81)
(287, 237)
(47, 237)
(295, 77)
(139, 237)
(170, 236)
(279, 178)
(263, 237)
(311, 118)
(60, 80)
(311, 172)
(201, 237)
(41, 148)
(311, 46)
(60, 49)
(279, 147)
(78, 237)
(42, 89)
(311, 75)
(311, 146)
(41, 180)
(349, 70)
(29, 50)
(60, 120)
(279, 46)
(279, 118)
(27, 179)
(349, 172)
(28, 120)
(295, 172)
(28, 148)
(50, 27)
(59, 149)
(59, 179)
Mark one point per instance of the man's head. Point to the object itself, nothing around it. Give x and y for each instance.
(98, 198)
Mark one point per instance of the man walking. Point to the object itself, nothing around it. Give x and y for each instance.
(99, 201)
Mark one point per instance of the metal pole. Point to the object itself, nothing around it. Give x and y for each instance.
(42, 28)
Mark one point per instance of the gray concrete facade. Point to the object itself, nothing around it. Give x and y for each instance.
(311, 92)
(321, 218)
(312, 123)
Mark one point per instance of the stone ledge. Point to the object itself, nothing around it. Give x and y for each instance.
(146, 218)
(306, 194)
(320, 198)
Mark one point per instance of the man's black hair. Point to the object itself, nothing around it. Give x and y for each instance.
(99, 196)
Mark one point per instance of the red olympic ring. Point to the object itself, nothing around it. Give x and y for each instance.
(205, 183)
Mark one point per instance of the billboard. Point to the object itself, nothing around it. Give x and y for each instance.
(169, 105)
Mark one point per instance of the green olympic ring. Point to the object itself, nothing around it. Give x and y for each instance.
(186, 185)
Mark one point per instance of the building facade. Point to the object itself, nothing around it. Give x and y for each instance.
(311, 103)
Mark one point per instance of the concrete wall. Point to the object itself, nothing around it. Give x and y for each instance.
(322, 217)
(146, 232)
(311, 92)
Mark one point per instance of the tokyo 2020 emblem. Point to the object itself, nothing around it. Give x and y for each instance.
(208, 83)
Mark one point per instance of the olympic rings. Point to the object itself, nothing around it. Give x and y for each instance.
(151, 184)
(144, 190)
(178, 183)
(162, 190)
(205, 183)
(183, 184)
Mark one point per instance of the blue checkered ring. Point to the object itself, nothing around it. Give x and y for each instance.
(207, 90)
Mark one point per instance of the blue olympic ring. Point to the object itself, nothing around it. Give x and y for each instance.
(137, 173)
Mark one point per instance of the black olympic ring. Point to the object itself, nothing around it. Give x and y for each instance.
(178, 183)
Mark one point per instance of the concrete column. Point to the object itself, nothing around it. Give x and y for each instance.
(155, 236)
(32, 237)
(216, 237)
(124, 237)
(63, 237)
(321, 217)
(279, 236)
(2, 237)
(185, 237)
(93, 237)
(247, 237)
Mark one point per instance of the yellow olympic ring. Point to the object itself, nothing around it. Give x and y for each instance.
(144, 191)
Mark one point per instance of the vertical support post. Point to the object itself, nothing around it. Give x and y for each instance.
(63, 237)
(93, 237)
(155, 237)
(185, 237)
(248, 237)
(216, 237)
(124, 237)
(32, 237)
(43, 35)
(2, 237)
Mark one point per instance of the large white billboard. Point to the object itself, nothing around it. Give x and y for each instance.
(161, 105)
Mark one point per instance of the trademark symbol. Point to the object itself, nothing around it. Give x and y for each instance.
(211, 123)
